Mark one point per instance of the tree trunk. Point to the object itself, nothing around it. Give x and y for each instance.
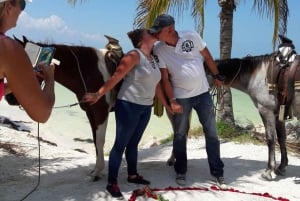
(225, 111)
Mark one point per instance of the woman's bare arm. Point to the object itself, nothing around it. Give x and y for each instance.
(22, 81)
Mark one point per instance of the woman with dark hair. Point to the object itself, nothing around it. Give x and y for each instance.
(140, 77)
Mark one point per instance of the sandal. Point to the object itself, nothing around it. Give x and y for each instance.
(137, 179)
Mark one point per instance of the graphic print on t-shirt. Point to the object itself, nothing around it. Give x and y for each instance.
(187, 46)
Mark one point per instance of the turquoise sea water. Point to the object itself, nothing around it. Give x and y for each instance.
(72, 121)
(70, 126)
(244, 109)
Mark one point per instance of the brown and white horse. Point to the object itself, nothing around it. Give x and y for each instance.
(85, 69)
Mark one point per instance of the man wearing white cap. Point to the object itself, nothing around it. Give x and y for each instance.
(180, 56)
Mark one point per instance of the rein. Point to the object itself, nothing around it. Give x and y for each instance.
(237, 73)
(82, 79)
(78, 67)
(64, 106)
(219, 91)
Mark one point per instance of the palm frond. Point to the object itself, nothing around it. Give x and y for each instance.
(148, 10)
(73, 2)
(198, 15)
(278, 11)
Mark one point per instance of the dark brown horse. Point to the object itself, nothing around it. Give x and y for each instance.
(85, 69)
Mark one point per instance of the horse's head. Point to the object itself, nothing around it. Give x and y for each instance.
(286, 51)
(227, 68)
(10, 98)
(22, 42)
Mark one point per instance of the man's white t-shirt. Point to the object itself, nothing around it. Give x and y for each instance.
(184, 63)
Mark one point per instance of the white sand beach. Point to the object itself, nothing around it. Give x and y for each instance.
(67, 156)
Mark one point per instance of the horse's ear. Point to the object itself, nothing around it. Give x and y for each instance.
(284, 39)
(17, 39)
(25, 40)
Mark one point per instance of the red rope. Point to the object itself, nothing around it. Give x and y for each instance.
(146, 191)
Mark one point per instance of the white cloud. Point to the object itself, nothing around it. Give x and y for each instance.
(56, 28)
(95, 37)
(51, 23)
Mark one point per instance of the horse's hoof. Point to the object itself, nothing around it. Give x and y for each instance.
(96, 178)
(170, 162)
(267, 176)
(280, 172)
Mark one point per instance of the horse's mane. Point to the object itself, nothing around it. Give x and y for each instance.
(67, 47)
(259, 57)
(51, 43)
(63, 45)
(228, 66)
(232, 66)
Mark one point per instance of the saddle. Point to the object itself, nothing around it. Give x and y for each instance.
(114, 54)
(284, 77)
(112, 59)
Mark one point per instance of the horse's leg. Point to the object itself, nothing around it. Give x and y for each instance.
(98, 120)
(100, 140)
(268, 119)
(281, 137)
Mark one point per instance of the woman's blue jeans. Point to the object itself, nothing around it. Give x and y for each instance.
(131, 122)
(204, 108)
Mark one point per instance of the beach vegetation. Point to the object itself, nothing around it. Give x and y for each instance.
(225, 131)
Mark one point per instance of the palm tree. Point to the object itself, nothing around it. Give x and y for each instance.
(147, 10)
(278, 10)
(73, 2)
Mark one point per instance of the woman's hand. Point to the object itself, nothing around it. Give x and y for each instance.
(169, 109)
(91, 98)
(176, 107)
(46, 72)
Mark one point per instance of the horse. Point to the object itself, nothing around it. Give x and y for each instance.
(251, 75)
(273, 82)
(84, 69)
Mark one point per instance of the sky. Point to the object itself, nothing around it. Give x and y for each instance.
(86, 24)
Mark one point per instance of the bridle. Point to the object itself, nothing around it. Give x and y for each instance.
(82, 80)
(219, 91)
(79, 70)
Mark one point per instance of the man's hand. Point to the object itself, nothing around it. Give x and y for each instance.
(219, 79)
